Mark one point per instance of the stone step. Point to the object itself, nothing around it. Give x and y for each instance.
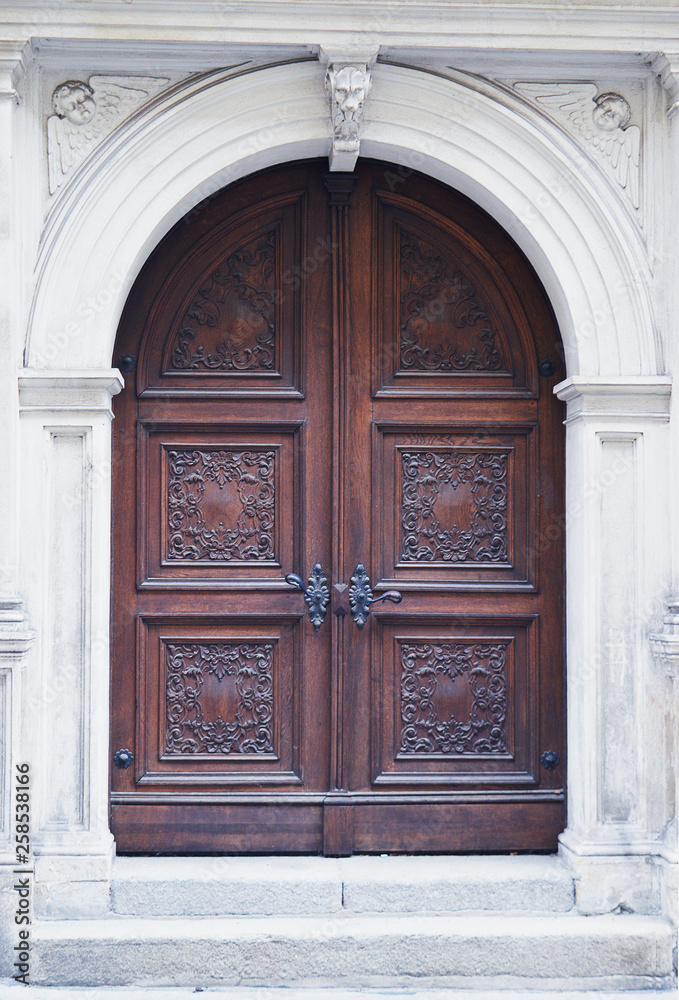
(249, 886)
(10, 990)
(474, 951)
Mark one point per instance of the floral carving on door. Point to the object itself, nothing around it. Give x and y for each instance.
(236, 716)
(453, 698)
(230, 324)
(454, 506)
(443, 326)
(221, 505)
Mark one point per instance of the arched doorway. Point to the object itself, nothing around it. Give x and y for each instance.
(353, 371)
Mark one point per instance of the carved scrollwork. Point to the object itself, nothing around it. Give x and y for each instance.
(245, 532)
(244, 723)
(230, 324)
(443, 327)
(475, 528)
(441, 679)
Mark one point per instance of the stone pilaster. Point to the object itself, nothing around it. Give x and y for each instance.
(65, 419)
(665, 647)
(618, 523)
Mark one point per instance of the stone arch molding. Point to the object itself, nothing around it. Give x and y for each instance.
(471, 134)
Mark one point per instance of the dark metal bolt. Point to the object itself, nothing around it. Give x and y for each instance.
(126, 362)
(550, 759)
(123, 758)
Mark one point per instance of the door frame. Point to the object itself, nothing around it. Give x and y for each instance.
(504, 155)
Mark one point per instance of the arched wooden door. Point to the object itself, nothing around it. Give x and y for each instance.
(354, 371)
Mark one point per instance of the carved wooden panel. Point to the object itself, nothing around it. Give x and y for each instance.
(454, 506)
(229, 325)
(458, 702)
(219, 698)
(453, 697)
(221, 505)
(442, 324)
(225, 306)
(447, 320)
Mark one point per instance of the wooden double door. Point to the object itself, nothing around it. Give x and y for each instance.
(355, 373)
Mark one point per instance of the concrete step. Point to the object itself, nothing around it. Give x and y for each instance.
(249, 886)
(475, 951)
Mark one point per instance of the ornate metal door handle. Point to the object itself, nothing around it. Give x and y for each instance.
(316, 595)
(361, 596)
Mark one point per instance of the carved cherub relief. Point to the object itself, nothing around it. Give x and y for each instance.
(74, 101)
(602, 120)
(86, 112)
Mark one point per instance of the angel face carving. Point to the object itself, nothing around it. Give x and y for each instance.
(601, 121)
(611, 111)
(85, 112)
(74, 101)
(350, 87)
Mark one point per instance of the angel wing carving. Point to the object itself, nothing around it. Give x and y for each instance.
(85, 113)
(601, 120)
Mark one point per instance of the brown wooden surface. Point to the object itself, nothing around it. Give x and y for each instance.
(337, 369)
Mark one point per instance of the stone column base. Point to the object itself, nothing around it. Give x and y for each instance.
(72, 886)
(616, 883)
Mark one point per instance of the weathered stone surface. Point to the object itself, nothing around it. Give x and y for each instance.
(8, 930)
(214, 886)
(618, 884)
(449, 884)
(348, 949)
(71, 900)
(329, 992)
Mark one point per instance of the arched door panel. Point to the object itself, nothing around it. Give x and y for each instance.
(338, 369)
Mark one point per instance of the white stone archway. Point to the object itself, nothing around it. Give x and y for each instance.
(500, 152)
(578, 235)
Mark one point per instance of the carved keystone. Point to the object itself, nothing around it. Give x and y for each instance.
(348, 81)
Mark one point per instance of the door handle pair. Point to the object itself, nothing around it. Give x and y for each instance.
(317, 595)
